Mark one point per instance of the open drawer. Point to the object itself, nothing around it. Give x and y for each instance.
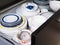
(49, 32)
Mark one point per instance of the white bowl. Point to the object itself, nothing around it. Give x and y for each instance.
(54, 5)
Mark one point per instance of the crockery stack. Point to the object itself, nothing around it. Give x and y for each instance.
(12, 24)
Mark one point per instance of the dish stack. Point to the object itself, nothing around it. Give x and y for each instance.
(11, 24)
